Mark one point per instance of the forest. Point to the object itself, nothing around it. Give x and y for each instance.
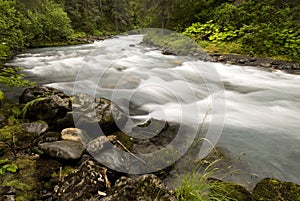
(269, 28)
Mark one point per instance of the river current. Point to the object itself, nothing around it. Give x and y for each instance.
(261, 113)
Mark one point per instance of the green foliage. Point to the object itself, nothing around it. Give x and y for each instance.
(11, 38)
(7, 167)
(48, 23)
(197, 187)
(173, 42)
(28, 104)
(10, 77)
(262, 28)
(1, 96)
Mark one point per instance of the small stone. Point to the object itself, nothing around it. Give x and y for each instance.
(75, 134)
(266, 65)
(65, 149)
(38, 127)
(221, 58)
(242, 61)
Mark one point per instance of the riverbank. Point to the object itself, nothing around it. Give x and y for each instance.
(176, 44)
(44, 157)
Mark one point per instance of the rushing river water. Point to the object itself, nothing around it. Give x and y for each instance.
(262, 118)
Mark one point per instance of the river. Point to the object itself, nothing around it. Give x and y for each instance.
(261, 112)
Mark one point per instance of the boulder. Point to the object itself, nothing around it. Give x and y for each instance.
(45, 103)
(145, 187)
(64, 149)
(103, 150)
(272, 189)
(92, 113)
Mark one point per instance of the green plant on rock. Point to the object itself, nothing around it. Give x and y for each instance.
(7, 167)
(1, 96)
(28, 104)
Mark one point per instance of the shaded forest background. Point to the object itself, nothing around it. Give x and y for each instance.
(252, 27)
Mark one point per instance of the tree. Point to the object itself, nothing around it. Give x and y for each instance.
(11, 37)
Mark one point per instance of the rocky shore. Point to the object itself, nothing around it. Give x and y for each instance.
(48, 151)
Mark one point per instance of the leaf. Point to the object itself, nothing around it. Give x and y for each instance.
(10, 167)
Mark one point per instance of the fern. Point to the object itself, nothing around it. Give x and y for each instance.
(29, 104)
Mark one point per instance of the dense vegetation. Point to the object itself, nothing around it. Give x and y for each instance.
(255, 27)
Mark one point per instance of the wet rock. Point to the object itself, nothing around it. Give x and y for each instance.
(45, 103)
(145, 187)
(271, 189)
(152, 136)
(75, 134)
(168, 51)
(99, 144)
(92, 112)
(104, 149)
(64, 149)
(85, 182)
(242, 61)
(38, 127)
(266, 65)
(221, 59)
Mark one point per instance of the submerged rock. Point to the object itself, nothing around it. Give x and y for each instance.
(145, 187)
(272, 189)
(64, 149)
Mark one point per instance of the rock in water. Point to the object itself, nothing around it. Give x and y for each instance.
(271, 189)
(92, 112)
(145, 187)
(65, 149)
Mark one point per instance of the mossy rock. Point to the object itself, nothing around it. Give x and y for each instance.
(274, 190)
(229, 191)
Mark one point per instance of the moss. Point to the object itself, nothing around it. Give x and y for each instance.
(230, 191)
(1, 96)
(174, 43)
(15, 135)
(65, 171)
(124, 139)
(24, 180)
(274, 190)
